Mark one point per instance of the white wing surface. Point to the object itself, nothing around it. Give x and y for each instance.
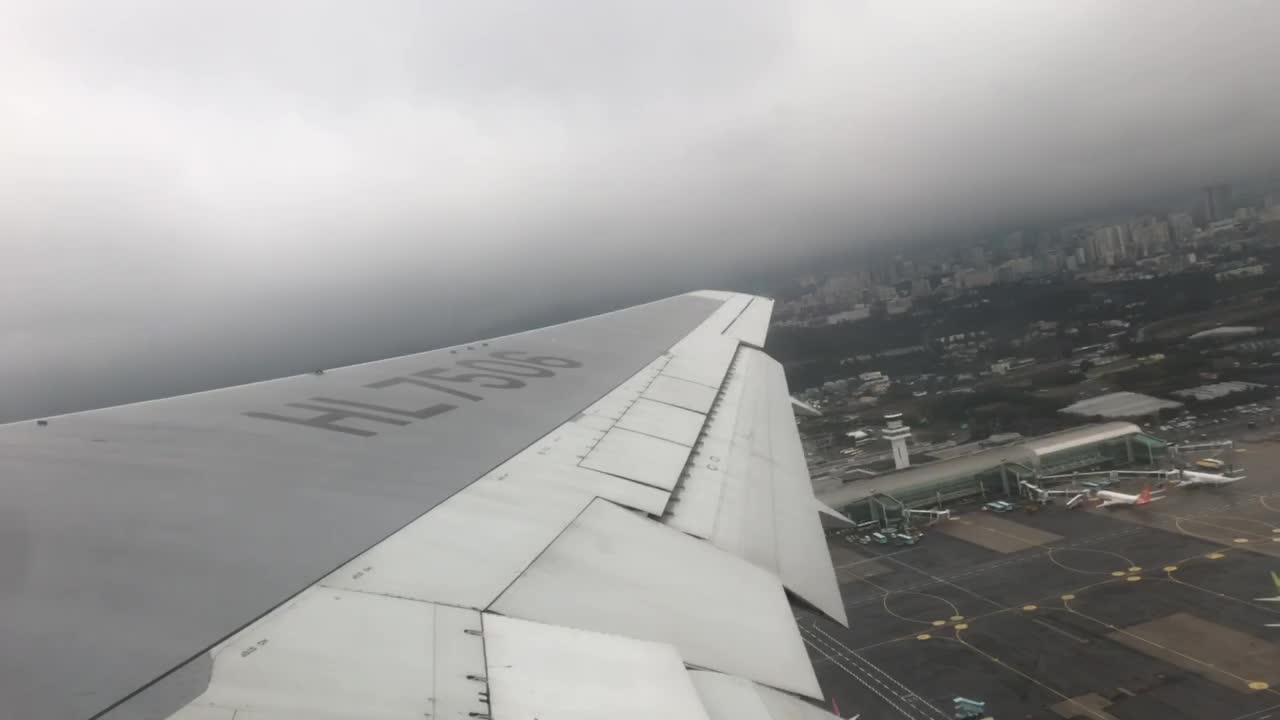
(598, 518)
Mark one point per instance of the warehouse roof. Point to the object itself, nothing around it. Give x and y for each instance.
(1120, 405)
(1216, 390)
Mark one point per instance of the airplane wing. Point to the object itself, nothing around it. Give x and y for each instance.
(558, 523)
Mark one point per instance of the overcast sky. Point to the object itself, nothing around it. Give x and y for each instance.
(201, 192)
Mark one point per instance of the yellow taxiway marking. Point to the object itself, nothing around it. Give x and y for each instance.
(1240, 541)
(1179, 519)
(1028, 608)
(1134, 578)
(1215, 556)
(1221, 516)
(1135, 568)
(923, 636)
(1052, 558)
(962, 626)
(1258, 685)
(939, 623)
(884, 601)
(1170, 568)
(1068, 597)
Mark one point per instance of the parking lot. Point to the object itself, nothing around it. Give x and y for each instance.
(1125, 613)
(1244, 420)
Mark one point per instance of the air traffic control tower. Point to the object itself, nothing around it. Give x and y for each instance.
(897, 433)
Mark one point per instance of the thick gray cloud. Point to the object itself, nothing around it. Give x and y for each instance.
(205, 192)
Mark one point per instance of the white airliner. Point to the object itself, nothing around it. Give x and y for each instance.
(1105, 498)
(1191, 478)
(1110, 498)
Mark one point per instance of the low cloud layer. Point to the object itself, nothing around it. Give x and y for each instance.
(207, 192)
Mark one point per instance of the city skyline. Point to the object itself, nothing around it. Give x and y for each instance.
(1189, 237)
(1184, 209)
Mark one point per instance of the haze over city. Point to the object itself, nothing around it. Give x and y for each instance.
(211, 193)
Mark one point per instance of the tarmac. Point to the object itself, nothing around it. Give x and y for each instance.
(1126, 613)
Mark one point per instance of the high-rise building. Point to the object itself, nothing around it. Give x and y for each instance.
(1150, 237)
(1184, 228)
(1217, 202)
(1109, 245)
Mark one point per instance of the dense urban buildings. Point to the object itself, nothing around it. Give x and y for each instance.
(1155, 318)
(1214, 236)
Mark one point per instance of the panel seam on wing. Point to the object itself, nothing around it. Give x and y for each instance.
(665, 357)
(638, 482)
(544, 549)
(740, 313)
(699, 442)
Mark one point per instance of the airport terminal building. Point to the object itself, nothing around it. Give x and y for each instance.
(994, 472)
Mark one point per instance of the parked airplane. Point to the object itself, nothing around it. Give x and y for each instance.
(1106, 498)
(1110, 498)
(1191, 478)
